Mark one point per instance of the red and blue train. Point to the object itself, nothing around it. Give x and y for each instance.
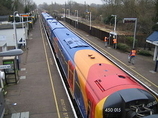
(99, 87)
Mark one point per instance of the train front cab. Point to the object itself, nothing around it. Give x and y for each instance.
(128, 103)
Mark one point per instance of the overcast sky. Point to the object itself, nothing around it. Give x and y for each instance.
(63, 2)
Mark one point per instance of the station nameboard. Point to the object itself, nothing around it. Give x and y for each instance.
(129, 20)
(5, 66)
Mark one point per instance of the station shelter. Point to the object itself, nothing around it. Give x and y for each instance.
(8, 36)
(112, 35)
(153, 39)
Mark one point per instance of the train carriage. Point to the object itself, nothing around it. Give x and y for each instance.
(45, 18)
(52, 24)
(99, 87)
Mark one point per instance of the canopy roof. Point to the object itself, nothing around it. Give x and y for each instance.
(153, 38)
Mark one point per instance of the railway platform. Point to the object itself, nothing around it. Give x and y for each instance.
(40, 91)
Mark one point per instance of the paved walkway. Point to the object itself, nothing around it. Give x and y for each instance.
(39, 91)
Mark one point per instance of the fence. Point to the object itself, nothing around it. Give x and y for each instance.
(4, 18)
(99, 33)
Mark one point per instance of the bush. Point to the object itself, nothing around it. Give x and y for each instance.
(155, 27)
(109, 20)
(144, 53)
(129, 41)
(123, 47)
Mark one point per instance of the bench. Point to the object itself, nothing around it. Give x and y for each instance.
(20, 115)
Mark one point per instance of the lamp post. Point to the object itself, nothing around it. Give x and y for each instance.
(76, 11)
(132, 20)
(89, 20)
(101, 17)
(68, 12)
(16, 40)
(14, 25)
(135, 27)
(64, 13)
(115, 22)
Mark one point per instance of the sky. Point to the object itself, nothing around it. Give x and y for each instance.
(63, 2)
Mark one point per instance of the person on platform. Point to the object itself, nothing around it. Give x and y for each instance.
(106, 41)
(115, 43)
(132, 56)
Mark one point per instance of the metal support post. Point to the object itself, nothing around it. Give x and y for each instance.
(134, 40)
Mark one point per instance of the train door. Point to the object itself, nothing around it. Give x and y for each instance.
(54, 42)
(89, 109)
(79, 96)
(71, 75)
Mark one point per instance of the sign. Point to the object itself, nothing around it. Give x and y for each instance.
(5, 66)
(129, 20)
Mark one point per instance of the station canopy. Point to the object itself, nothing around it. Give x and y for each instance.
(153, 38)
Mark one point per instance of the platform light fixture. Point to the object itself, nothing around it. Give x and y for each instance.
(13, 52)
(115, 22)
(76, 11)
(90, 24)
(68, 12)
(132, 20)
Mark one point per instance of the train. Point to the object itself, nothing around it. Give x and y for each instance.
(98, 86)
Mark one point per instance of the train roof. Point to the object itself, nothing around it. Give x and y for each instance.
(75, 42)
(54, 24)
(47, 16)
(70, 41)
